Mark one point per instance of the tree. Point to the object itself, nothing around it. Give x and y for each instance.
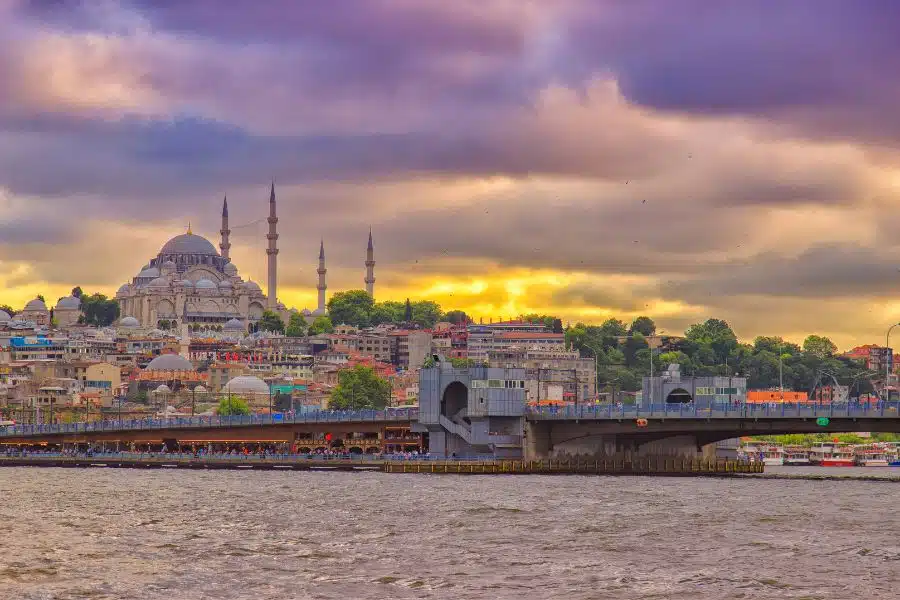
(557, 326)
(271, 322)
(296, 327)
(360, 388)
(164, 324)
(387, 312)
(41, 298)
(8, 309)
(321, 325)
(819, 346)
(98, 310)
(76, 292)
(545, 320)
(407, 312)
(457, 317)
(426, 313)
(353, 307)
(283, 402)
(643, 325)
(716, 335)
(232, 405)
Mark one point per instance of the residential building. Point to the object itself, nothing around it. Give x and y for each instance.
(875, 358)
(550, 373)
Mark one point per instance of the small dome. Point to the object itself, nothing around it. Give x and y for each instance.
(36, 304)
(281, 306)
(234, 325)
(306, 312)
(205, 284)
(169, 266)
(68, 303)
(188, 243)
(159, 282)
(226, 285)
(4, 317)
(247, 384)
(163, 389)
(129, 323)
(170, 362)
(186, 283)
(149, 272)
(199, 390)
(252, 286)
(231, 270)
(123, 289)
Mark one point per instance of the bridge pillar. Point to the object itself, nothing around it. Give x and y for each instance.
(537, 440)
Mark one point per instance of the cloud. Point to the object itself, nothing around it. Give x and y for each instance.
(590, 159)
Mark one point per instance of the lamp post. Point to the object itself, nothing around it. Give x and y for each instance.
(887, 364)
(596, 370)
(781, 369)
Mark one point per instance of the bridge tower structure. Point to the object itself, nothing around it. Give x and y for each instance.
(474, 411)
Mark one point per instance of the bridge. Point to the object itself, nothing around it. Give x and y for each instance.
(362, 432)
(664, 428)
(538, 432)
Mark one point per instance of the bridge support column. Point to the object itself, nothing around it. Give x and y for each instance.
(537, 440)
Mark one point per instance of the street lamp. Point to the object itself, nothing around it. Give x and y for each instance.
(887, 363)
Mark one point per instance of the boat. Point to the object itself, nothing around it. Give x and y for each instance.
(874, 458)
(841, 456)
(796, 456)
(773, 456)
(831, 454)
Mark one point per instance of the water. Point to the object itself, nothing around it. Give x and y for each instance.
(79, 534)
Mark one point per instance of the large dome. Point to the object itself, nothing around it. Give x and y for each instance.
(129, 323)
(247, 384)
(170, 362)
(188, 243)
(36, 304)
(69, 302)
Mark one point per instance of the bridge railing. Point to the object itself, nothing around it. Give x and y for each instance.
(722, 410)
(319, 416)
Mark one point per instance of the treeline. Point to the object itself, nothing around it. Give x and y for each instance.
(712, 348)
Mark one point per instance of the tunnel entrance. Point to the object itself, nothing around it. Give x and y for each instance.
(679, 396)
(455, 399)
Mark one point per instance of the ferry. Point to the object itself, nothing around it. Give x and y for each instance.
(831, 454)
(796, 457)
(871, 457)
(773, 456)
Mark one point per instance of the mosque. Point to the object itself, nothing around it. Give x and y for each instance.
(190, 282)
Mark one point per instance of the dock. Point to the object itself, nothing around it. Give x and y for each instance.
(651, 465)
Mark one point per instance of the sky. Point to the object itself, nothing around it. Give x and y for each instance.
(583, 158)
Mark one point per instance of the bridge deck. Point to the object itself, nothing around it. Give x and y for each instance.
(601, 412)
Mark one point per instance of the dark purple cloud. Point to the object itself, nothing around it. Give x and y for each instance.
(825, 66)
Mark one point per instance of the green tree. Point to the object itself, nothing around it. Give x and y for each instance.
(321, 325)
(353, 307)
(98, 310)
(296, 327)
(457, 317)
(643, 325)
(271, 322)
(41, 298)
(557, 326)
(426, 313)
(819, 346)
(282, 402)
(387, 312)
(233, 405)
(8, 309)
(715, 336)
(359, 388)
(408, 312)
(76, 292)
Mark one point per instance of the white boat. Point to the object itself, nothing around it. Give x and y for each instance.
(773, 456)
(872, 456)
(796, 457)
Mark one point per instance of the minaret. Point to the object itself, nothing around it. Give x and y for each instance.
(225, 245)
(370, 267)
(321, 271)
(272, 251)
